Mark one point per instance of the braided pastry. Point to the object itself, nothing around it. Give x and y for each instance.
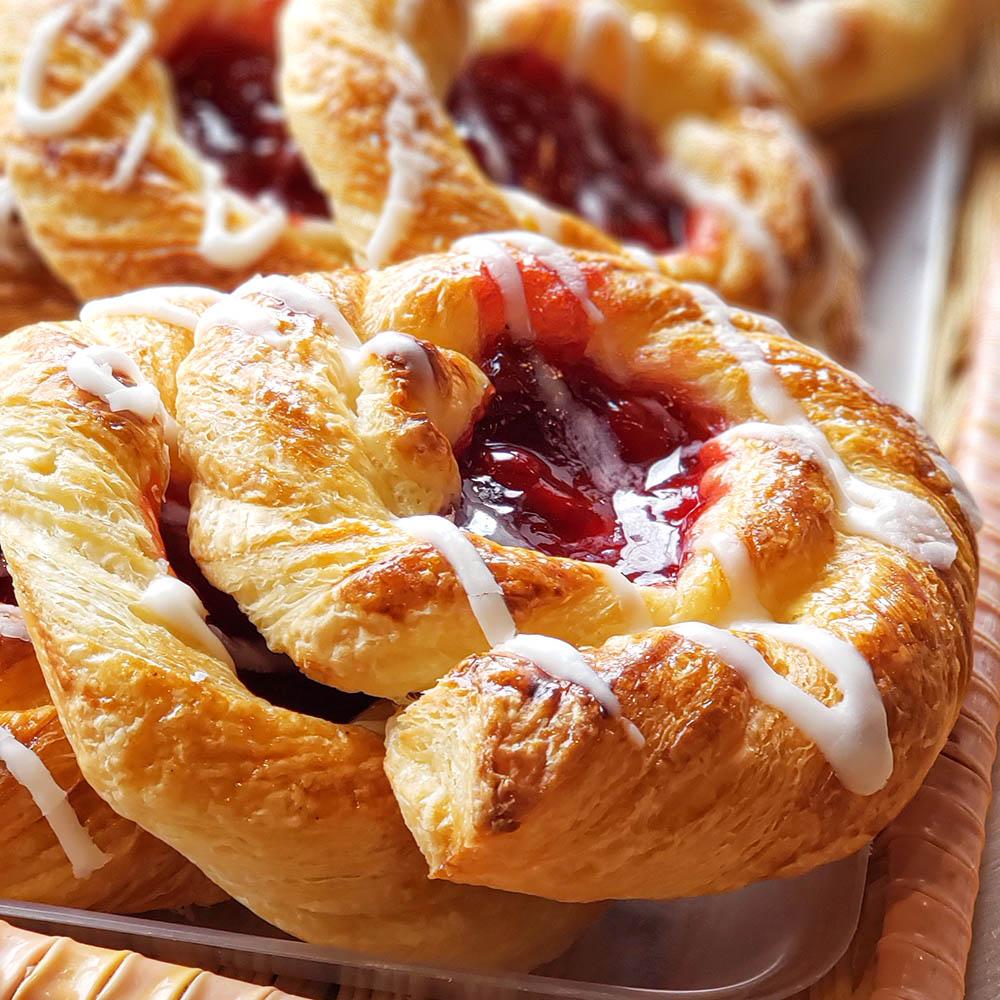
(113, 194)
(655, 132)
(816, 534)
(789, 655)
(115, 198)
(64, 845)
(289, 813)
(837, 57)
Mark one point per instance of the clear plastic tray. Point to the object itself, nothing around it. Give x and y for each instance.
(765, 942)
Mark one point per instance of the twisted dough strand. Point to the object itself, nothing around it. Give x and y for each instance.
(290, 814)
(505, 776)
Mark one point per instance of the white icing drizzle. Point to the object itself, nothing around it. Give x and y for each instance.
(134, 152)
(486, 598)
(27, 768)
(734, 560)
(485, 595)
(12, 624)
(557, 258)
(218, 244)
(242, 314)
(564, 662)
(961, 490)
(852, 734)
(70, 113)
(503, 269)
(171, 603)
(535, 211)
(752, 231)
(886, 514)
(298, 297)
(410, 168)
(95, 370)
(490, 250)
(629, 598)
(598, 23)
(808, 32)
(154, 303)
(390, 344)
(642, 256)
(100, 14)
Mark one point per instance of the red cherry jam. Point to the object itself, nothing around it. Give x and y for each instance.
(568, 463)
(225, 86)
(531, 127)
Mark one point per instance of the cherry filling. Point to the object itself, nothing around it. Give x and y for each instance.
(532, 127)
(568, 463)
(272, 676)
(225, 86)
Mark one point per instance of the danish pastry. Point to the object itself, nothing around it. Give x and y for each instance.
(116, 190)
(116, 196)
(61, 844)
(709, 621)
(656, 133)
(838, 57)
(290, 813)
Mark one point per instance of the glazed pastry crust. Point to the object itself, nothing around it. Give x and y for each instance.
(291, 815)
(740, 157)
(505, 776)
(100, 239)
(143, 873)
(842, 56)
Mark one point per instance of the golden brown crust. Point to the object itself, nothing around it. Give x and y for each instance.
(101, 239)
(142, 874)
(291, 815)
(769, 236)
(507, 777)
(843, 56)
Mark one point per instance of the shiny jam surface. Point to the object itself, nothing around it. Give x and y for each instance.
(531, 127)
(568, 463)
(225, 87)
(272, 676)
